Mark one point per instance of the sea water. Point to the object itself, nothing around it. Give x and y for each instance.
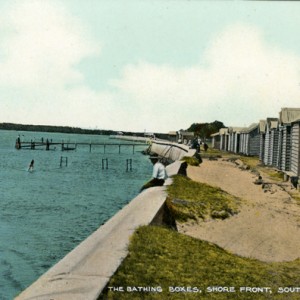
(44, 214)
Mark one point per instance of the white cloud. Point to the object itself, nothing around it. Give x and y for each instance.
(239, 80)
(39, 80)
(41, 46)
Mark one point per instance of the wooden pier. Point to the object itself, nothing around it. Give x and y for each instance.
(69, 146)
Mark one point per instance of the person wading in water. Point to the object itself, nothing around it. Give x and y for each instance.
(30, 168)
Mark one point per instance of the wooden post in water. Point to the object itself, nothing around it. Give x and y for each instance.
(104, 160)
(91, 147)
(128, 164)
(61, 161)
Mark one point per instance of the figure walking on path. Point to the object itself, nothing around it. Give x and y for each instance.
(159, 174)
(205, 147)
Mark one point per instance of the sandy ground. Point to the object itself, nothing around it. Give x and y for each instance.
(266, 228)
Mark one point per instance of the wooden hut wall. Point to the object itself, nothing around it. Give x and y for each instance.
(295, 163)
(242, 143)
(236, 143)
(280, 149)
(232, 145)
(216, 142)
(213, 141)
(254, 142)
(247, 144)
(250, 142)
(229, 146)
(262, 146)
(230, 142)
(286, 149)
(233, 141)
(278, 162)
(221, 141)
(244, 149)
(274, 147)
(262, 136)
(267, 148)
(222, 145)
(224, 142)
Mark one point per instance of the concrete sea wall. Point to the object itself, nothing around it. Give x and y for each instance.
(85, 271)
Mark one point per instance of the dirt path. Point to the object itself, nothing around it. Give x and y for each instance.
(268, 224)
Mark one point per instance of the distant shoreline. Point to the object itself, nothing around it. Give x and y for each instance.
(61, 129)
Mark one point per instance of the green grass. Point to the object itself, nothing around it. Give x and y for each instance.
(295, 194)
(188, 199)
(272, 173)
(192, 161)
(160, 257)
(251, 161)
(211, 152)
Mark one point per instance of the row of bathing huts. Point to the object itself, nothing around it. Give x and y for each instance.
(274, 140)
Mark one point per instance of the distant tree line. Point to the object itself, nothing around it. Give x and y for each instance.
(204, 130)
(48, 128)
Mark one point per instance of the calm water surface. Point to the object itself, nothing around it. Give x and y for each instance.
(46, 213)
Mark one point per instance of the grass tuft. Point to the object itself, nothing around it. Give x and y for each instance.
(192, 161)
(193, 200)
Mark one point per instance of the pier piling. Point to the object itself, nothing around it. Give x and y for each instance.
(63, 159)
(104, 161)
(128, 164)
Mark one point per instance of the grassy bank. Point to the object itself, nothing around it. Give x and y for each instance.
(161, 259)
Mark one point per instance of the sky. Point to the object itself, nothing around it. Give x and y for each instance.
(154, 66)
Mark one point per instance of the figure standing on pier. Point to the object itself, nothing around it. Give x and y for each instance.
(30, 168)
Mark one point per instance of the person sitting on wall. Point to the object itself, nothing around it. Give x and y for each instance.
(159, 174)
